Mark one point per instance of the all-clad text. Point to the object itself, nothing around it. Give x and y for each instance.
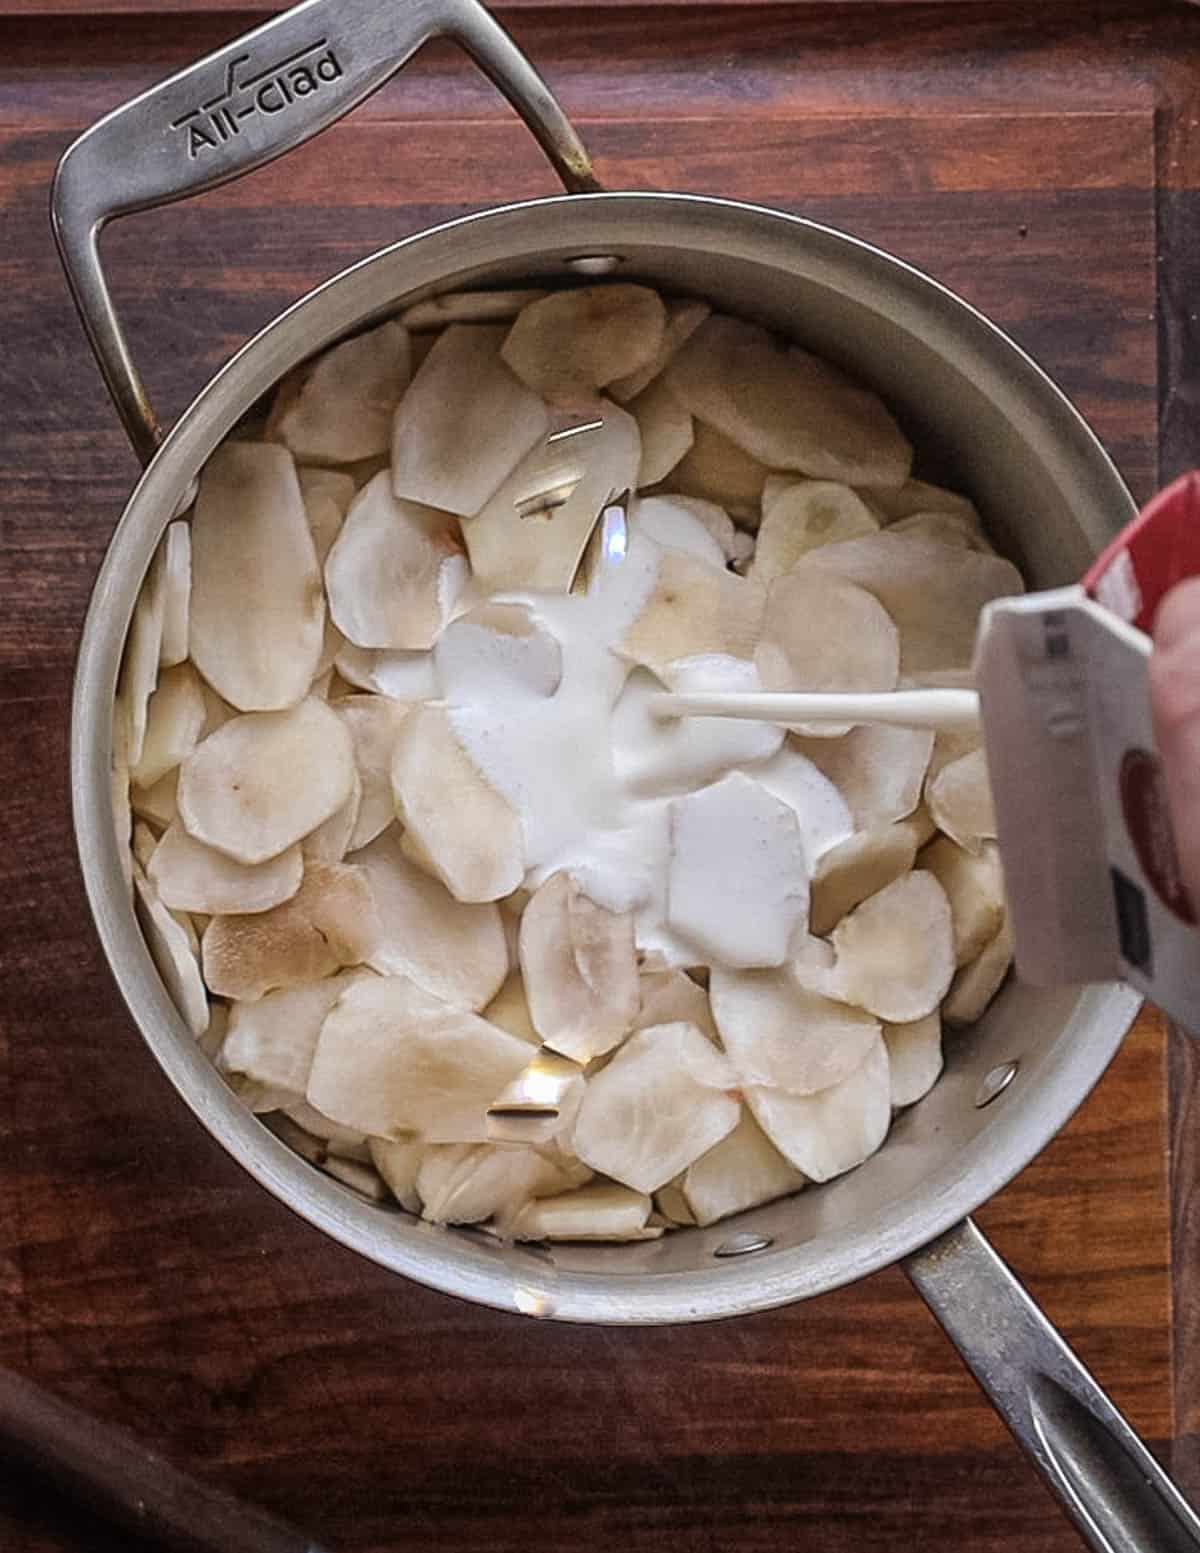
(213, 123)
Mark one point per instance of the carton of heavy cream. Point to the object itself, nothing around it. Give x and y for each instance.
(1089, 853)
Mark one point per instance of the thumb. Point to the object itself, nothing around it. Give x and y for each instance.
(1175, 706)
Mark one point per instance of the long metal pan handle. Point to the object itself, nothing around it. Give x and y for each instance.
(1110, 1485)
(247, 104)
(126, 1484)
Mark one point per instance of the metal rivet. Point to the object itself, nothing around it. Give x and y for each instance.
(995, 1083)
(594, 263)
(743, 1244)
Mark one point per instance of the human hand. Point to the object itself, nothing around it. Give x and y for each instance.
(1175, 705)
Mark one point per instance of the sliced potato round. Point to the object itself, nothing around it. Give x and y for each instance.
(974, 886)
(960, 801)
(177, 593)
(601, 1210)
(914, 1058)
(579, 970)
(360, 1178)
(684, 317)
(946, 528)
(693, 608)
(329, 923)
(373, 723)
(676, 523)
(392, 1059)
(823, 633)
(672, 1205)
(121, 795)
(346, 1142)
(267, 1100)
(330, 842)
(455, 951)
(467, 832)
(571, 343)
(737, 881)
(778, 482)
(878, 770)
(949, 744)
(394, 571)
(157, 803)
(933, 592)
(510, 1010)
(467, 307)
(175, 717)
(666, 432)
(743, 1171)
(465, 423)
(172, 954)
(895, 952)
(919, 825)
(251, 1093)
(192, 877)
(978, 982)
(143, 647)
(399, 1163)
(858, 867)
(217, 711)
(338, 409)
(717, 470)
(211, 1042)
(802, 517)
(272, 1040)
(826, 1134)
(670, 997)
(657, 1106)
(327, 496)
(778, 1034)
(465, 1183)
(257, 611)
(144, 845)
(787, 408)
(323, 682)
(916, 496)
(266, 779)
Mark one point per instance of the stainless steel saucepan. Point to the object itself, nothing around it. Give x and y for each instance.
(1000, 429)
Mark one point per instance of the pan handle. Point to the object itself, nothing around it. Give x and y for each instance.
(243, 106)
(1119, 1498)
(116, 1476)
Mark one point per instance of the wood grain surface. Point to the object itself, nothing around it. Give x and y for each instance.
(1040, 159)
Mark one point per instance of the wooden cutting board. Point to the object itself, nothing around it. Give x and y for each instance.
(1037, 159)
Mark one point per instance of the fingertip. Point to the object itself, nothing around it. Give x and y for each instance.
(1178, 615)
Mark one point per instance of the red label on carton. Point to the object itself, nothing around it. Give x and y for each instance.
(1148, 820)
(1158, 549)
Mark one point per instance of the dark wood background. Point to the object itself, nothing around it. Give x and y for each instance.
(1044, 160)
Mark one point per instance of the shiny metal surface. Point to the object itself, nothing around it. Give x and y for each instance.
(990, 422)
(1107, 1481)
(241, 107)
(994, 423)
(995, 1083)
